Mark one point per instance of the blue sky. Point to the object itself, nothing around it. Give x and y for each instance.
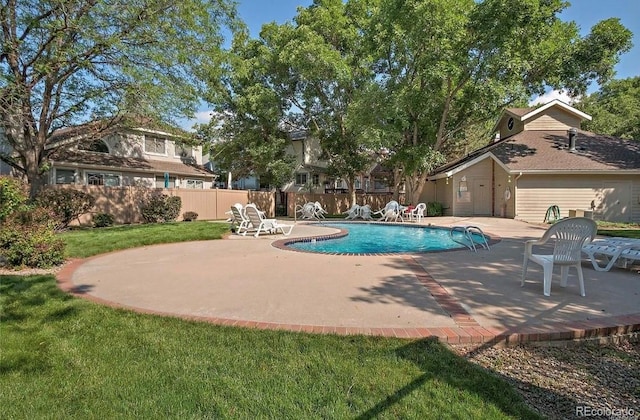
(586, 13)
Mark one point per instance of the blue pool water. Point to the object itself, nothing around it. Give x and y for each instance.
(372, 238)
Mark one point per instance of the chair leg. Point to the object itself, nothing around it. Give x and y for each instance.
(548, 274)
(581, 280)
(525, 264)
(564, 274)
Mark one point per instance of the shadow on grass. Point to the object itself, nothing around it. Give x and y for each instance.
(439, 363)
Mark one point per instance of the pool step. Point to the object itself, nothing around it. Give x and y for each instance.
(467, 232)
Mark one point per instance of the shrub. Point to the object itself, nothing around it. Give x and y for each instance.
(434, 209)
(28, 239)
(103, 220)
(189, 216)
(13, 196)
(160, 208)
(66, 204)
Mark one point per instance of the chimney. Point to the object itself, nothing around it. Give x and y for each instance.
(573, 133)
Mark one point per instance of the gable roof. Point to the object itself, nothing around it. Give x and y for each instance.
(527, 113)
(548, 152)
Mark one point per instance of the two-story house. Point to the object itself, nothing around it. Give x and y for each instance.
(311, 170)
(126, 156)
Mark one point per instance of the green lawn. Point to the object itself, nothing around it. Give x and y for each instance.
(64, 357)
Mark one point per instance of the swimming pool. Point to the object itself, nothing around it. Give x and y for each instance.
(378, 238)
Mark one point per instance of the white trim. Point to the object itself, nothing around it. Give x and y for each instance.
(559, 103)
(470, 163)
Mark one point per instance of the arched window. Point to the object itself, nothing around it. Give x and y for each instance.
(97, 146)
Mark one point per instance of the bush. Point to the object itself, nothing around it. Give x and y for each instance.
(103, 220)
(28, 239)
(66, 204)
(434, 209)
(160, 208)
(13, 196)
(189, 216)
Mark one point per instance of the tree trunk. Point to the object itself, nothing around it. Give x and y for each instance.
(414, 184)
(352, 191)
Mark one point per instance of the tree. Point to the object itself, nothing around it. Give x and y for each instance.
(247, 136)
(66, 62)
(615, 109)
(447, 66)
(326, 65)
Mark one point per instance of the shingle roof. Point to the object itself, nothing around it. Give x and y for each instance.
(85, 158)
(548, 151)
(520, 111)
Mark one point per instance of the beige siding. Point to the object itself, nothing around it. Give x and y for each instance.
(553, 119)
(504, 128)
(535, 193)
(503, 207)
(463, 202)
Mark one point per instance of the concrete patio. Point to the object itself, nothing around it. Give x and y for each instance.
(459, 296)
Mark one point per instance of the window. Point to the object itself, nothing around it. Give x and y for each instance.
(97, 146)
(183, 151)
(155, 145)
(170, 184)
(195, 184)
(301, 179)
(108, 180)
(65, 176)
(357, 184)
(316, 179)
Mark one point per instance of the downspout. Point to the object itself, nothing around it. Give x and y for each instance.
(515, 195)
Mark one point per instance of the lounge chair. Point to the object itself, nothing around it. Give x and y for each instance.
(365, 212)
(568, 237)
(240, 220)
(261, 224)
(617, 251)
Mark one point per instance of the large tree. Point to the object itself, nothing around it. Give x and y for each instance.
(615, 109)
(445, 67)
(323, 56)
(248, 136)
(66, 62)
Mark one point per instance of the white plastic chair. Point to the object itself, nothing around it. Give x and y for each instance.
(568, 237)
(240, 220)
(418, 212)
(353, 212)
(261, 224)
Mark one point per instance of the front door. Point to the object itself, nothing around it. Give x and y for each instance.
(481, 196)
(616, 202)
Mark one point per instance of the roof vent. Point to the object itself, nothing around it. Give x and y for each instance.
(573, 133)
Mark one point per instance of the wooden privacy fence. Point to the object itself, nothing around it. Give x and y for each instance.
(339, 203)
(124, 203)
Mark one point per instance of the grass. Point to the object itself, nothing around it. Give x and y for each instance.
(624, 230)
(82, 243)
(67, 357)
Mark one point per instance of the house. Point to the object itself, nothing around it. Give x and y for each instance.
(126, 156)
(542, 159)
(311, 170)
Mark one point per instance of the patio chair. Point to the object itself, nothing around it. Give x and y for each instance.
(568, 237)
(365, 212)
(353, 212)
(417, 213)
(240, 220)
(617, 251)
(261, 224)
(392, 211)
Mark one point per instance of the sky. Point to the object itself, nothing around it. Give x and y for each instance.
(585, 13)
